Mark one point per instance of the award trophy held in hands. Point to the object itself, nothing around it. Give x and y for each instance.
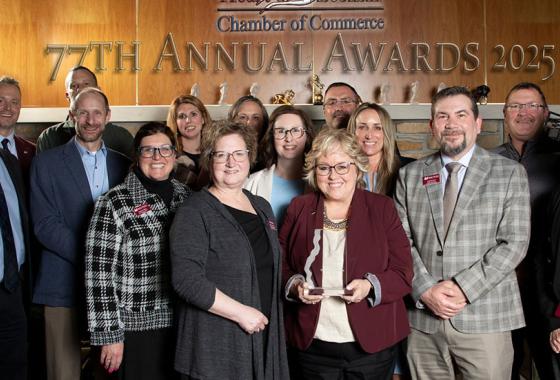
(314, 290)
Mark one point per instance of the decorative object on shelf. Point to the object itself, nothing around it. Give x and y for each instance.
(441, 86)
(254, 89)
(317, 89)
(481, 94)
(384, 94)
(286, 97)
(413, 91)
(195, 90)
(223, 93)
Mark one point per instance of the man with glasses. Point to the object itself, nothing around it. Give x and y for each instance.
(114, 136)
(65, 183)
(341, 100)
(466, 214)
(525, 116)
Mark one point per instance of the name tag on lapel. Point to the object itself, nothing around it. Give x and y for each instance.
(431, 179)
(142, 209)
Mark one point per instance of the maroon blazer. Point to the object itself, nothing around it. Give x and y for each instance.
(375, 243)
(25, 151)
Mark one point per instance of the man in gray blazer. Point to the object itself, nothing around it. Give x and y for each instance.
(466, 213)
(65, 182)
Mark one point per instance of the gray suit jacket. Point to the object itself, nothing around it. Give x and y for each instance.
(488, 237)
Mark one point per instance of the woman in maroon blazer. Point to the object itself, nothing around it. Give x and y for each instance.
(358, 244)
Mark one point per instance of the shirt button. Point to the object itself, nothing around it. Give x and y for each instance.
(439, 253)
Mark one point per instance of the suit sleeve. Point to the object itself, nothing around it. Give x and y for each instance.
(512, 240)
(48, 222)
(422, 279)
(103, 243)
(395, 282)
(189, 245)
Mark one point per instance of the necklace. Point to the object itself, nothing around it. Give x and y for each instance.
(333, 226)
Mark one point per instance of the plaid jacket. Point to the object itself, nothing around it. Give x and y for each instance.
(487, 238)
(127, 262)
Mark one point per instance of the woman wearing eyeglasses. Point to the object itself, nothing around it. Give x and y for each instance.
(287, 139)
(188, 117)
(349, 242)
(225, 260)
(128, 285)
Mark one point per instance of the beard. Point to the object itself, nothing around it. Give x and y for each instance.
(452, 151)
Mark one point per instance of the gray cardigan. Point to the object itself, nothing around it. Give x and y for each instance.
(210, 250)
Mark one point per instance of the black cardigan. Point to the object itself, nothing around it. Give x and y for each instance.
(209, 250)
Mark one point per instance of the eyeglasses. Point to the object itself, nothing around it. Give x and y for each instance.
(150, 151)
(341, 168)
(514, 107)
(281, 133)
(221, 157)
(343, 102)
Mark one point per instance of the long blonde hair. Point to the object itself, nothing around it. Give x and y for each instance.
(390, 163)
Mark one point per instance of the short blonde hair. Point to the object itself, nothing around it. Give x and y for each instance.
(324, 143)
(222, 128)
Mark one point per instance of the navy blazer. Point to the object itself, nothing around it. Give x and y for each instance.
(376, 244)
(61, 206)
(17, 179)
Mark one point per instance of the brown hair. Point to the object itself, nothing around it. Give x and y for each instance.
(266, 147)
(389, 164)
(220, 129)
(172, 115)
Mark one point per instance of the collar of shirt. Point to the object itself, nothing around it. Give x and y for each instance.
(465, 160)
(84, 152)
(12, 145)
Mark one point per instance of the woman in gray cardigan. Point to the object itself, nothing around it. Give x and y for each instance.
(225, 260)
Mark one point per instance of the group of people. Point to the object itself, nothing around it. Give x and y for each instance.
(264, 247)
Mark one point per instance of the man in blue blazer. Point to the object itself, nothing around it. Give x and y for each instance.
(65, 182)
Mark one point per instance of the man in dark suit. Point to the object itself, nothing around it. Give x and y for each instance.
(114, 136)
(10, 106)
(14, 245)
(525, 115)
(466, 213)
(65, 182)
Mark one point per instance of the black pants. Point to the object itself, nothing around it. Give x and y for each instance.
(13, 335)
(341, 361)
(148, 355)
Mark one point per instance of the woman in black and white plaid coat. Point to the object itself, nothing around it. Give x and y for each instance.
(128, 291)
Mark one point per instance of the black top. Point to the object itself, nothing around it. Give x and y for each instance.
(252, 225)
(196, 159)
(162, 188)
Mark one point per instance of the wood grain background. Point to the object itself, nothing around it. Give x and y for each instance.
(28, 26)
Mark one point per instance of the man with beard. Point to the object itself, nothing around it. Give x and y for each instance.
(341, 100)
(525, 115)
(114, 136)
(65, 182)
(466, 213)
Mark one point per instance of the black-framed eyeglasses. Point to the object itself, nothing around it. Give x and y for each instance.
(341, 168)
(281, 133)
(238, 155)
(514, 107)
(150, 151)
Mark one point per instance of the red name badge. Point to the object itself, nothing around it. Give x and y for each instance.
(142, 209)
(430, 179)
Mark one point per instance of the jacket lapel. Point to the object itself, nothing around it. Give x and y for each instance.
(113, 169)
(435, 193)
(74, 163)
(476, 172)
(315, 222)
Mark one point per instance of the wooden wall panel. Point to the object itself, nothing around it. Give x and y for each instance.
(28, 26)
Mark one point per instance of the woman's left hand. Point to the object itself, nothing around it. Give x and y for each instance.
(360, 289)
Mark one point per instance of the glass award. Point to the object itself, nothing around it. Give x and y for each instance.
(313, 289)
